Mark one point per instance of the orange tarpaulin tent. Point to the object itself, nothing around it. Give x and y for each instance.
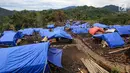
(96, 30)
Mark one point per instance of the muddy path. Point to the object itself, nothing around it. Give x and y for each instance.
(71, 61)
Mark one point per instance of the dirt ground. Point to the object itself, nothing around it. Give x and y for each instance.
(71, 61)
(120, 57)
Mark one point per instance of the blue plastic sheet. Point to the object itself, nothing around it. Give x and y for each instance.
(85, 25)
(63, 34)
(76, 23)
(10, 38)
(80, 30)
(37, 29)
(59, 28)
(67, 24)
(123, 30)
(100, 36)
(55, 34)
(46, 32)
(113, 39)
(127, 27)
(50, 26)
(115, 26)
(55, 56)
(27, 31)
(74, 27)
(24, 59)
(100, 25)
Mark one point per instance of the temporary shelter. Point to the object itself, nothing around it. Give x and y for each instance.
(113, 40)
(85, 25)
(54, 56)
(123, 30)
(100, 25)
(24, 59)
(50, 26)
(27, 31)
(55, 34)
(37, 29)
(10, 38)
(80, 30)
(59, 28)
(76, 23)
(94, 30)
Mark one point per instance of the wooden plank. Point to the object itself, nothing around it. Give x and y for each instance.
(88, 66)
(99, 59)
(119, 50)
(93, 67)
(99, 67)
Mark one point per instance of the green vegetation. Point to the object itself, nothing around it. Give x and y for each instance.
(24, 19)
(115, 70)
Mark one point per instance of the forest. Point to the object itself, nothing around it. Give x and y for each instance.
(108, 15)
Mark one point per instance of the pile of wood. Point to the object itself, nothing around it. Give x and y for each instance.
(93, 67)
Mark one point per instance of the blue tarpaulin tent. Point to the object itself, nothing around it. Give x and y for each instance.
(59, 28)
(24, 59)
(123, 30)
(55, 56)
(76, 23)
(113, 39)
(55, 34)
(46, 32)
(85, 25)
(10, 38)
(67, 24)
(50, 26)
(37, 29)
(27, 31)
(80, 30)
(127, 27)
(100, 25)
(100, 36)
(115, 26)
(74, 27)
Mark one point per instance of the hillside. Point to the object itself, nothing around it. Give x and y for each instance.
(70, 7)
(87, 12)
(24, 19)
(111, 8)
(5, 12)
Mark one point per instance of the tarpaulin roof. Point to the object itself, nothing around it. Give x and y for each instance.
(113, 39)
(67, 24)
(10, 38)
(50, 26)
(80, 30)
(27, 31)
(115, 26)
(100, 25)
(55, 34)
(93, 30)
(76, 23)
(123, 30)
(24, 59)
(127, 27)
(100, 36)
(37, 29)
(46, 32)
(85, 25)
(59, 28)
(74, 27)
(55, 56)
